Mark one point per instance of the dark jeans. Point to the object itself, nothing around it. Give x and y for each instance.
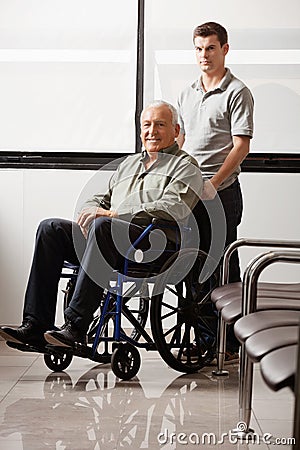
(60, 240)
(231, 201)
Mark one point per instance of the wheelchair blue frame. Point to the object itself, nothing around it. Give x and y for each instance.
(118, 291)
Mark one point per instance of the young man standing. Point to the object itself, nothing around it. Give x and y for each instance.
(216, 120)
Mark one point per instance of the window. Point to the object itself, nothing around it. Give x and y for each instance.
(264, 53)
(67, 75)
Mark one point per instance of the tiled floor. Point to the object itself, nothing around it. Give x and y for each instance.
(86, 407)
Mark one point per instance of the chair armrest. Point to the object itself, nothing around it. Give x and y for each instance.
(245, 242)
(255, 268)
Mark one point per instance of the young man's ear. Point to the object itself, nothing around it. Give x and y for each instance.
(225, 48)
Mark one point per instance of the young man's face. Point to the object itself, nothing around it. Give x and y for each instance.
(209, 53)
(157, 130)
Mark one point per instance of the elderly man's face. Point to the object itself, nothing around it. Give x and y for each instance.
(157, 130)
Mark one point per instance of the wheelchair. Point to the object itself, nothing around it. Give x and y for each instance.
(171, 296)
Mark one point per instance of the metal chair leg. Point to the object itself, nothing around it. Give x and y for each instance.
(296, 431)
(245, 388)
(221, 349)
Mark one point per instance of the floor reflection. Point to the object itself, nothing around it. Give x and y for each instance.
(97, 411)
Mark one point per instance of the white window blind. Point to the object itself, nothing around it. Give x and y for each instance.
(67, 75)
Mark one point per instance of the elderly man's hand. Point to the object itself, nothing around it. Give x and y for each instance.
(87, 215)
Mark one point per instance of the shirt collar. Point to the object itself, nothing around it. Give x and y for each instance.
(221, 86)
(172, 150)
(225, 80)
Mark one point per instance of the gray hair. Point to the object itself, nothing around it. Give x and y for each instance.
(158, 103)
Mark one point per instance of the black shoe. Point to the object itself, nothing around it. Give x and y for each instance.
(27, 333)
(67, 336)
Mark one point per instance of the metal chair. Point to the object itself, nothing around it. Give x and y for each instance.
(254, 321)
(228, 293)
(281, 368)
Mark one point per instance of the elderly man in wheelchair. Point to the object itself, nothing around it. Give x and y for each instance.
(155, 190)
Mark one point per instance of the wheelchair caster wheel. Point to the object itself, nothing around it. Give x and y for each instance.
(57, 362)
(125, 361)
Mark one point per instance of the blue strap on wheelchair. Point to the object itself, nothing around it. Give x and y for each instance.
(136, 242)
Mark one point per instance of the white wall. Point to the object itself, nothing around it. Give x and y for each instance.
(28, 196)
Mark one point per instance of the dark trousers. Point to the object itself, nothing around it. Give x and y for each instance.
(209, 220)
(59, 240)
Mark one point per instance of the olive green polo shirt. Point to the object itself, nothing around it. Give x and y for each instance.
(168, 190)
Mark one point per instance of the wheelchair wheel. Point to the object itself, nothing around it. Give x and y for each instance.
(57, 362)
(125, 361)
(182, 321)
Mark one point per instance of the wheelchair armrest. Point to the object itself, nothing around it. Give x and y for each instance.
(155, 224)
(245, 242)
(162, 223)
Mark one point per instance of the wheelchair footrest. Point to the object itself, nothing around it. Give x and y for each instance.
(87, 352)
(27, 347)
(83, 351)
(103, 358)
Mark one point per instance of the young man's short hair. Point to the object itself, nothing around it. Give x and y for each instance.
(210, 28)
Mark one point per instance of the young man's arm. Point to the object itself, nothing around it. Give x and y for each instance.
(239, 151)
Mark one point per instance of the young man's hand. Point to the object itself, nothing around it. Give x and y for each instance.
(209, 191)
